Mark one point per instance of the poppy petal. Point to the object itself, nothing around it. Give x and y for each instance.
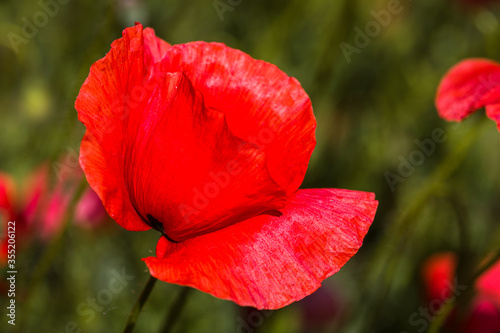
(270, 261)
(115, 86)
(438, 273)
(7, 194)
(186, 170)
(493, 112)
(6, 213)
(89, 211)
(36, 187)
(468, 86)
(262, 104)
(487, 284)
(483, 318)
(155, 48)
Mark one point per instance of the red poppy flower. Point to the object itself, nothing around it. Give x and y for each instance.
(37, 210)
(53, 210)
(89, 211)
(20, 211)
(468, 86)
(210, 146)
(483, 315)
(438, 272)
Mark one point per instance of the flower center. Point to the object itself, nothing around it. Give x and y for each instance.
(157, 225)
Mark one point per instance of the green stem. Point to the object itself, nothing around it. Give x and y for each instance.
(384, 261)
(483, 268)
(466, 257)
(440, 318)
(175, 310)
(136, 310)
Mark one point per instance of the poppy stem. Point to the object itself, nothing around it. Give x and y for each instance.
(483, 268)
(175, 310)
(384, 261)
(136, 310)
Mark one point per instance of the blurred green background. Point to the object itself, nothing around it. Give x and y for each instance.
(370, 106)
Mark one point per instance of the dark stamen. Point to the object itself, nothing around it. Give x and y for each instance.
(273, 213)
(157, 225)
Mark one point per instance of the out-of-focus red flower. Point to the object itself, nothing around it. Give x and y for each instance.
(488, 285)
(6, 195)
(55, 203)
(209, 146)
(6, 213)
(438, 272)
(483, 315)
(20, 207)
(37, 209)
(483, 318)
(468, 86)
(89, 211)
(54, 210)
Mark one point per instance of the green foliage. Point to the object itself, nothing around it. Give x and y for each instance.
(371, 107)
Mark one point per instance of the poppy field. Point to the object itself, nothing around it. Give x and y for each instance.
(236, 166)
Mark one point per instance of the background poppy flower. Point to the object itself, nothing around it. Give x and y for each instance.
(89, 211)
(483, 314)
(468, 86)
(37, 209)
(20, 207)
(210, 146)
(55, 201)
(6, 213)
